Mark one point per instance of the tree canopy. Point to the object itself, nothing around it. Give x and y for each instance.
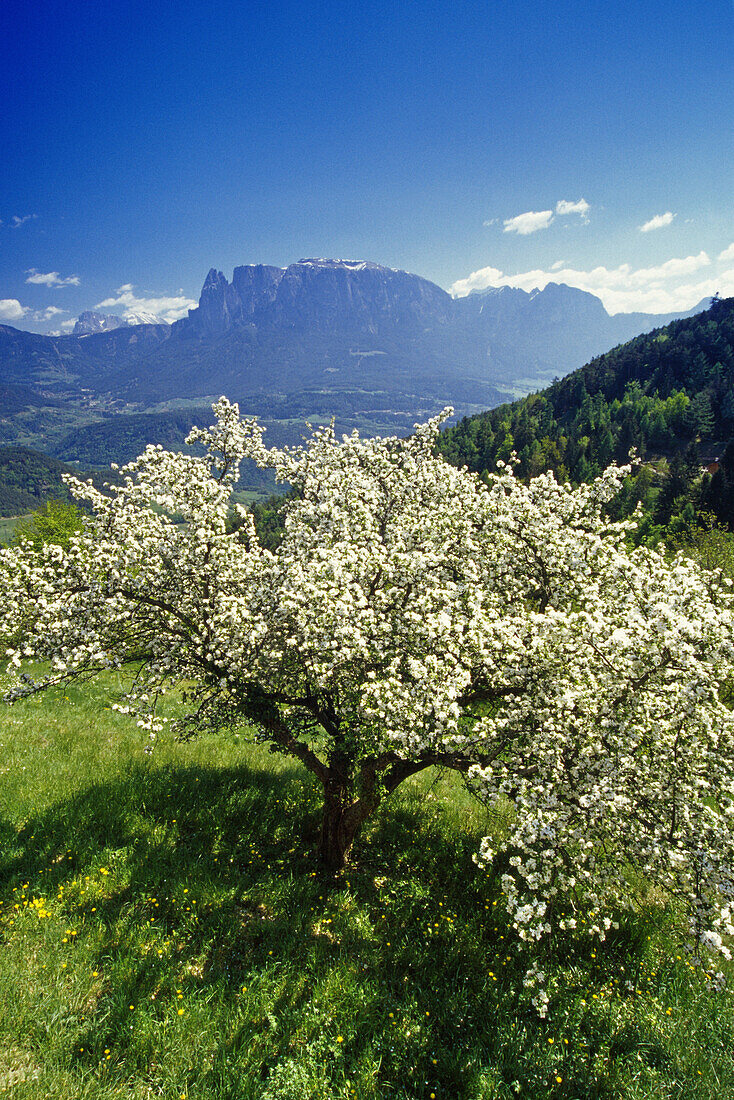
(55, 522)
(413, 615)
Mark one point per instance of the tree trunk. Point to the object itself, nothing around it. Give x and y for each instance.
(343, 814)
(340, 824)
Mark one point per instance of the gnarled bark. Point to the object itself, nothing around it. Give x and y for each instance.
(344, 814)
(341, 821)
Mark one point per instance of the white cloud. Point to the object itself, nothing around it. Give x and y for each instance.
(728, 253)
(68, 324)
(581, 207)
(529, 222)
(533, 220)
(48, 313)
(12, 310)
(167, 309)
(16, 222)
(50, 278)
(671, 269)
(665, 288)
(558, 264)
(478, 280)
(658, 222)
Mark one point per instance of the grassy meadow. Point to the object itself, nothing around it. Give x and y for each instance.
(7, 527)
(166, 933)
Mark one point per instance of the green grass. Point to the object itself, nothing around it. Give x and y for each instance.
(7, 527)
(165, 932)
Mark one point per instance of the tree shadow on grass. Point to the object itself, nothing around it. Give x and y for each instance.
(207, 882)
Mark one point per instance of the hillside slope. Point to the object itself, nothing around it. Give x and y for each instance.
(28, 478)
(668, 394)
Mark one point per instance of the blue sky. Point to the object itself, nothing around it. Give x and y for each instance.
(475, 143)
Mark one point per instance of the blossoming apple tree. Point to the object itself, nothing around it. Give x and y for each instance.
(414, 616)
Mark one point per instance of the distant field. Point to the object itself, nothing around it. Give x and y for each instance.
(166, 933)
(7, 526)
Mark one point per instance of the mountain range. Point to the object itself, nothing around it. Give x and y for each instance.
(374, 346)
(91, 321)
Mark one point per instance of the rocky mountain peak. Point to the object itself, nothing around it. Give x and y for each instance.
(346, 265)
(214, 279)
(316, 295)
(90, 321)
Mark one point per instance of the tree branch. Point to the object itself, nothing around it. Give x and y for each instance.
(261, 709)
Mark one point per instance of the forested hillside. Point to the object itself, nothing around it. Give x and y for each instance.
(122, 438)
(669, 394)
(28, 478)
